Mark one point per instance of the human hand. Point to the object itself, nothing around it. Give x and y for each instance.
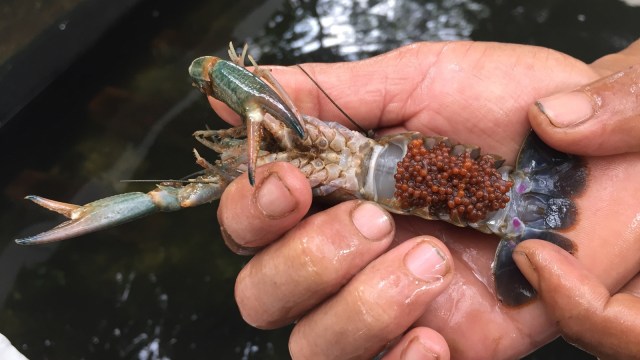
(607, 112)
(601, 118)
(588, 314)
(352, 296)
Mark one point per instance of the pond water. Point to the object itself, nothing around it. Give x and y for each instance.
(162, 287)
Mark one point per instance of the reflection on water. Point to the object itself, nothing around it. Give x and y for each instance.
(351, 30)
(161, 288)
(358, 29)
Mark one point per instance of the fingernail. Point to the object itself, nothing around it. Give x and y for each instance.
(526, 267)
(566, 109)
(274, 198)
(416, 350)
(426, 262)
(372, 222)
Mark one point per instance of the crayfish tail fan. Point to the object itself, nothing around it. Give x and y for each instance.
(546, 183)
(512, 288)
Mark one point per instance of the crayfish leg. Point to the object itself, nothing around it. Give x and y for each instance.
(254, 136)
(203, 162)
(237, 58)
(220, 140)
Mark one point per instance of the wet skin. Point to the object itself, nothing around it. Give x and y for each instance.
(475, 93)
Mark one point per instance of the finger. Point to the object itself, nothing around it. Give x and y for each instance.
(588, 316)
(311, 262)
(632, 287)
(377, 306)
(620, 60)
(419, 343)
(251, 217)
(601, 118)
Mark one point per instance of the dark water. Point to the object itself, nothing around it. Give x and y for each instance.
(161, 288)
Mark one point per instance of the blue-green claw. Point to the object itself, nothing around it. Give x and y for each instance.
(94, 216)
(247, 95)
(239, 89)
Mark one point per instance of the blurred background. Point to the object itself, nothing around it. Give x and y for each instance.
(96, 91)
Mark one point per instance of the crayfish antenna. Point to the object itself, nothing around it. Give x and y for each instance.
(369, 133)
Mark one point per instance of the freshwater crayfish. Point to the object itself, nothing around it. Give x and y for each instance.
(407, 173)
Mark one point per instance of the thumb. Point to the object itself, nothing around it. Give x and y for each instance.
(602, 118)
(586, 313)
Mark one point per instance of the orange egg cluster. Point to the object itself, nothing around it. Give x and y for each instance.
(467, 188)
